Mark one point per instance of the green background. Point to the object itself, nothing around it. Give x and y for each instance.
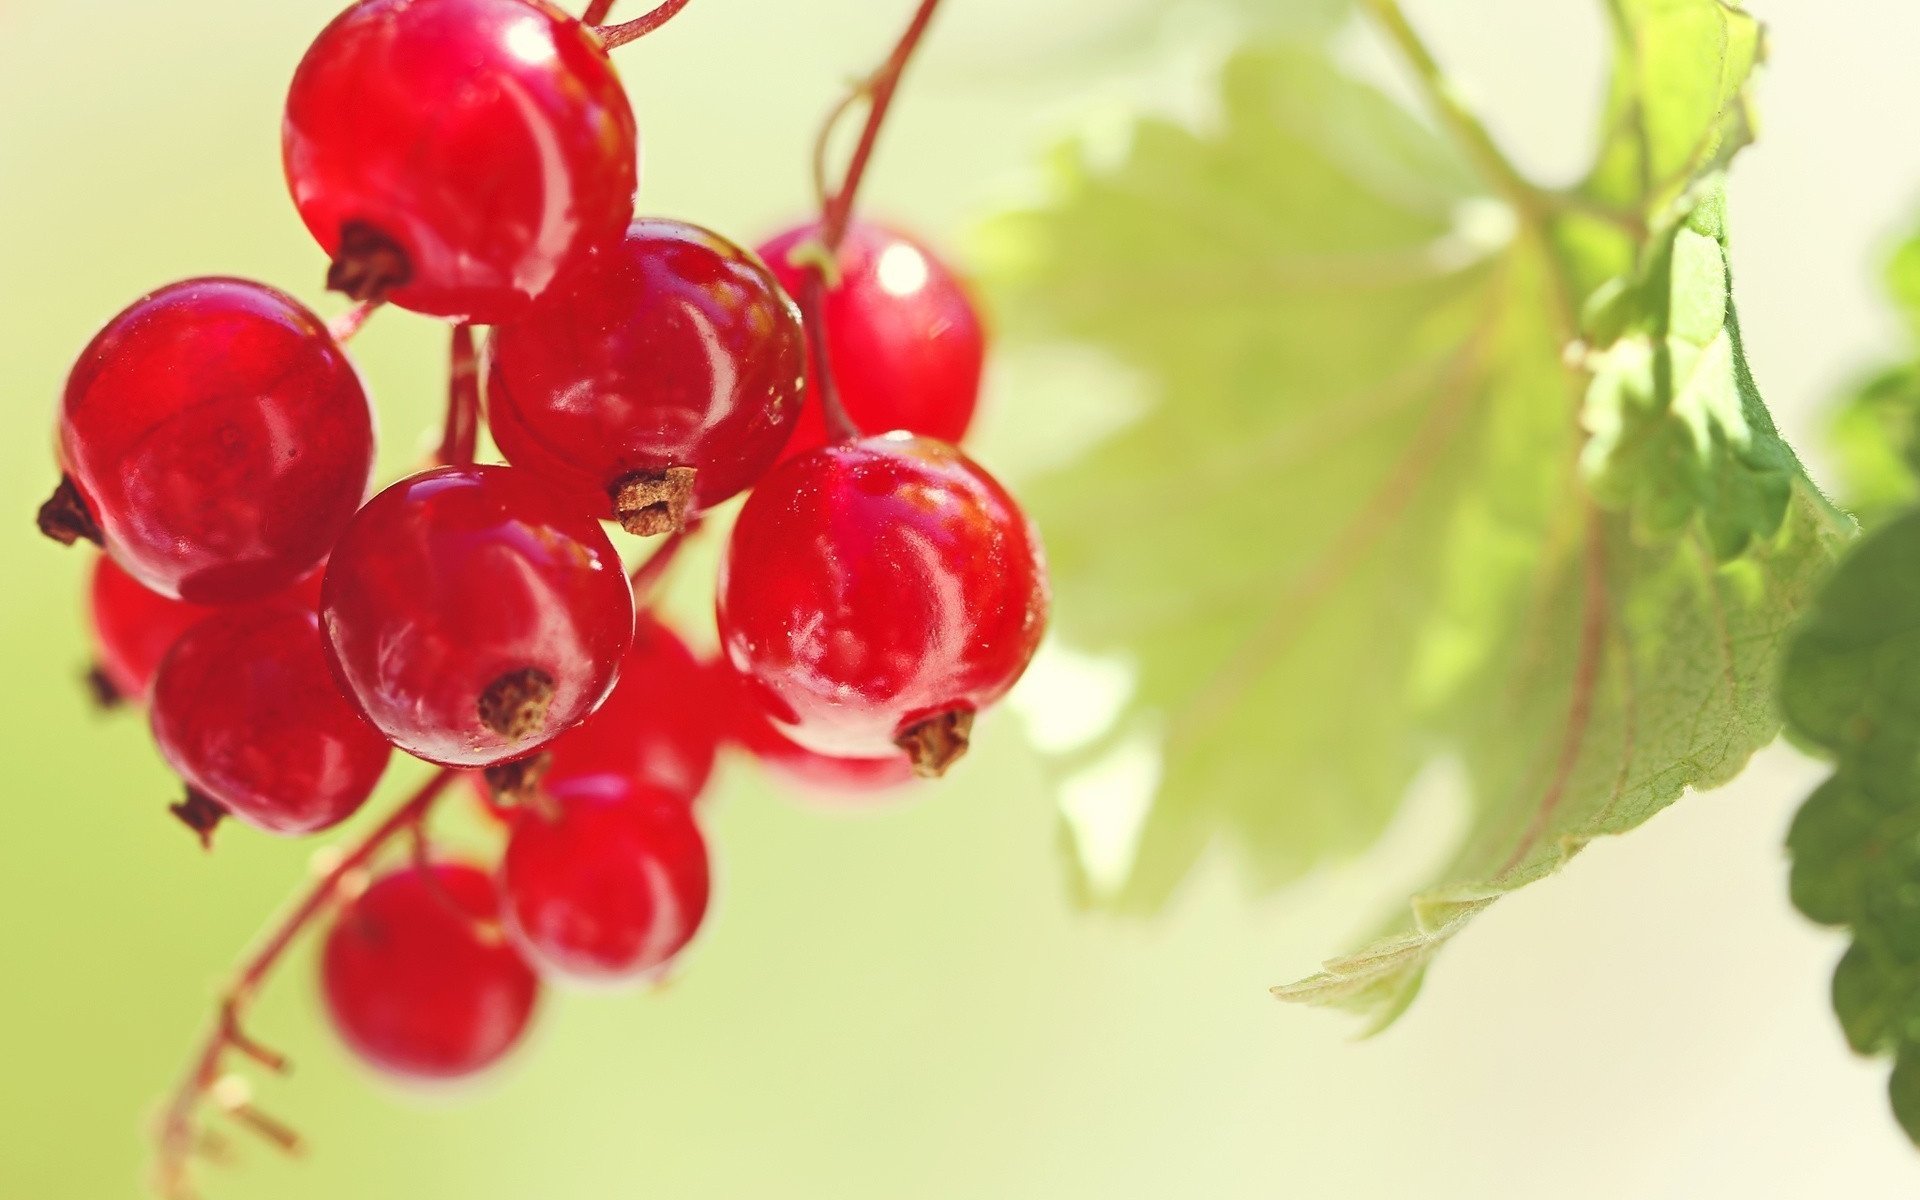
(904, 1002)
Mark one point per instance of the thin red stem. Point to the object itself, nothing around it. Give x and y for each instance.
(619, 35)
(836, 207)
(647, 576)
(348, 323)
(823, 145)
(813, 319)
(596, 13)
(461, 437)
(178, 1134)
(880, 87)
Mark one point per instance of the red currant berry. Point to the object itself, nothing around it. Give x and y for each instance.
(657, 382)
(662, 724)
(419, 979)
(134, 626)
(219, 438)
(876, 593)
(825, 774)
(606, 880)
(474, 616)
(458, 155)
(246, 710)
(903, 335)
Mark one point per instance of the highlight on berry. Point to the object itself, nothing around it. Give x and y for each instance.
(287, 634)
(620, 539)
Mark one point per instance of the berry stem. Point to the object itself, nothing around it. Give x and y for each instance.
(179, 1136)
(1451, 110)
(813, 318)
(836, 207)
(349, 322)
(596, 14)
(619, 35)
(879, 88)
(1534, 207)
(461, 437)
(647, 576)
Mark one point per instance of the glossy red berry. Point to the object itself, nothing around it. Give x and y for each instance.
(245, 709)
(474, 616)
(827, 775)
(673, 351)
(877, 593)
(219, 438)
(134, 626)
(662, 724)
(420, 981)
(458, 155)
(606, 880)
(903, 335)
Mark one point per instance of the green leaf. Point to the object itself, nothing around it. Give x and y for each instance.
(1676, 428)
(1903, 1090)
(1876, 434)
(1876, 438)
(1677, 107)
(1361, 527)
(1850, 689)
(1642, 669)
(1134, 29)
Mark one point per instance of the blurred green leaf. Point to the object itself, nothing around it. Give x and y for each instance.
(1138, 21)
(1677, 107)
(1851, 690)
(1876, 433)
(1363, 528)
(1874, 439)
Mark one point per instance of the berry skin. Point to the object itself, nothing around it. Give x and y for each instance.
(246, 711)
(458, 155)
(607, 881)
(826, 775)
(662, 724)
(876, 593)
(474, 616)
(903, 335)
(419, 980)
(675, 349)
(134, 627)
(220, 439)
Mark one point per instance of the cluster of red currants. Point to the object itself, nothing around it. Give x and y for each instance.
(475, 160)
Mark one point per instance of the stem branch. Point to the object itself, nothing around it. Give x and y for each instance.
(179, 1136)
(879, 89)
(1534, 206)
(813, 320)
(461, 436)
(647, 576)
(836, 208)
(1452, 111)
(627, 31)
(348, 322)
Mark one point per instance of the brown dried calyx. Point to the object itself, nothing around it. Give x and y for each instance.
(518, 782)
(515, 705)
(936, 743)
(200, 813)
(101, 688)
(64, 517)
(647, 503)
(368, 265)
